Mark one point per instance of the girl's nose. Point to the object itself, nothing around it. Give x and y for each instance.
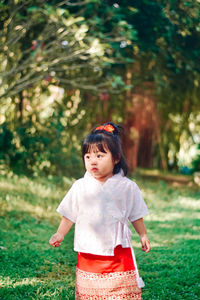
(93, 161)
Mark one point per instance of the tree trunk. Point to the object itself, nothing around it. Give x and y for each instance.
(21, 107)
(160, 144)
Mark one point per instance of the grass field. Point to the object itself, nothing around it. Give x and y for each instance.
(31, 269)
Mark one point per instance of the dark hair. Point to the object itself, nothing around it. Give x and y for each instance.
(105, 139)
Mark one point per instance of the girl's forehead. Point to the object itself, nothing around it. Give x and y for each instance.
(98, 148)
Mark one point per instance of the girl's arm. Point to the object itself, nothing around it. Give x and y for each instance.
(58, 237)
(141, 230)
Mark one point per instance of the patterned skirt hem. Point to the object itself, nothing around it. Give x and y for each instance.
(106, 286)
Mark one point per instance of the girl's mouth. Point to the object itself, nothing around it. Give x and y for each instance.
(94, 169)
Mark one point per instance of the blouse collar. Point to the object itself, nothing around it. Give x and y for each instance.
(109, 180)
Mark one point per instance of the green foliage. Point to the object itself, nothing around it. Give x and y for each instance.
(31, 269)
(66, 66)
(35, 153)
(196, 159)
(48, 40)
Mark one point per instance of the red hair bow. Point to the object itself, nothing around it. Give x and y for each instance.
(107, 127)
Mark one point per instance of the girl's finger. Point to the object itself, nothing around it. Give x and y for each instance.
(147, 247)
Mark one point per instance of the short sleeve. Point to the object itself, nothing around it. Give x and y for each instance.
(136, 206)
(69, 205)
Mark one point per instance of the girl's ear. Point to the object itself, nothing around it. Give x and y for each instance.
(117, 160)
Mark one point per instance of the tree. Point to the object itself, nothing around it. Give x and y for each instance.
(101, 57)
(164, 59)
(45, 46)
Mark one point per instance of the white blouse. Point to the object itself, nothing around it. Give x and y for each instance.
(101, 212)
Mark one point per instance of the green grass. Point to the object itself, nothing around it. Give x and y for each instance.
(31, 269)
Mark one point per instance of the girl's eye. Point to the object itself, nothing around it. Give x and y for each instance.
(99, 156)
(87, 156)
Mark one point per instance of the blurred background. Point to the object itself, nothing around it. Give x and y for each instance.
(66, 66)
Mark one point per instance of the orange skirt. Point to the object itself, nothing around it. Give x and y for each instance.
(106, 277)
(121, 261)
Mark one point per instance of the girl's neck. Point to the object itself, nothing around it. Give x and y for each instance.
(102, 180)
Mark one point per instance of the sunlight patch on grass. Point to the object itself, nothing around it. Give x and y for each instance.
(172, 216)
(163, 216)
(187, 236)
(39, 190)
(167, 211)
(38, 200)
(137, 245)
(189, 203)
(43, 191)
(37, 211)
(11, 282)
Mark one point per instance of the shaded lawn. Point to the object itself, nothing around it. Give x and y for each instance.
(31, 269)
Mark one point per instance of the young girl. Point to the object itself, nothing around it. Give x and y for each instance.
(101, 204)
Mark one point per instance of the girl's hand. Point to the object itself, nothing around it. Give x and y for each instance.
(145, 243)
(56, 239)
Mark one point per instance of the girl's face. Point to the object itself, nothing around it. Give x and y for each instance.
(99, 164)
